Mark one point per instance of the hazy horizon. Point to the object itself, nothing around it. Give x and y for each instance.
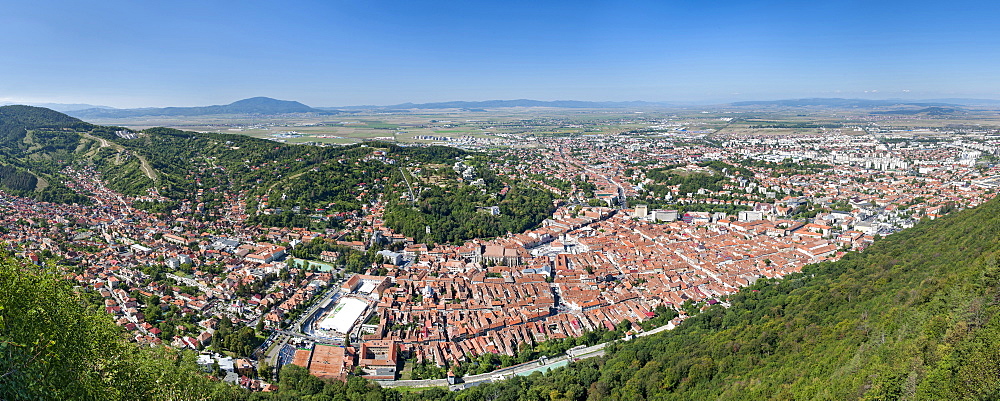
(323, 54)
(67, 107)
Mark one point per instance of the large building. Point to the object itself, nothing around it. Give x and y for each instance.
(369, 285)
(379, 359)
(641, 211)
(665, 215)
(331, 362)
(343, 316)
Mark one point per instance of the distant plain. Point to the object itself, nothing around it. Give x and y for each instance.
(458, 126)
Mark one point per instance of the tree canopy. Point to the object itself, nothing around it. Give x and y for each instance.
(53, 347)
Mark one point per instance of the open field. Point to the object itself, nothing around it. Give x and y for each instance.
(462, 126)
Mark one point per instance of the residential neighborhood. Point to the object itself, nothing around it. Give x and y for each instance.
(627, 238)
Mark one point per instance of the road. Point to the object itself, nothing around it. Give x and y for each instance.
(413, 199)
(322, 340)
(500, 374)
(621, 189)
(331, 293)
(668, 326)
(540, 364)
(291, 177)
(296, 329)
(272, 347)
(143, 163)
(583, 353)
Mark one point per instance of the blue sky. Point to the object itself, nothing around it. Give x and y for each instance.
(331, 53)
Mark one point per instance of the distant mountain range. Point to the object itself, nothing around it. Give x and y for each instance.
(927, 111)
(269, 106)
(61, 107)
(256, 105)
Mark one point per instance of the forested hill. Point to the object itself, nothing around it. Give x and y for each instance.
(913, 317)
(16, 120)
(30, 117)
(282, 185)
(31, 139)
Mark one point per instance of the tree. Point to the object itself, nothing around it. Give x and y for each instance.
(53, 347)
(264, 370)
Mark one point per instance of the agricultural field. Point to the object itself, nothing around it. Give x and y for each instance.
(490, 128)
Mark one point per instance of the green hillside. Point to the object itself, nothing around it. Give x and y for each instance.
(53, 348)
(282, 185)
(35, 143)
(14, 120)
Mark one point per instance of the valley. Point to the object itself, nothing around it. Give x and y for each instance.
(558, 232)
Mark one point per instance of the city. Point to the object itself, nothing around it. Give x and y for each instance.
(499, 201)
(649, 227)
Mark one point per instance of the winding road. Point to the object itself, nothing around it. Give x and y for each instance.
(143, 163)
